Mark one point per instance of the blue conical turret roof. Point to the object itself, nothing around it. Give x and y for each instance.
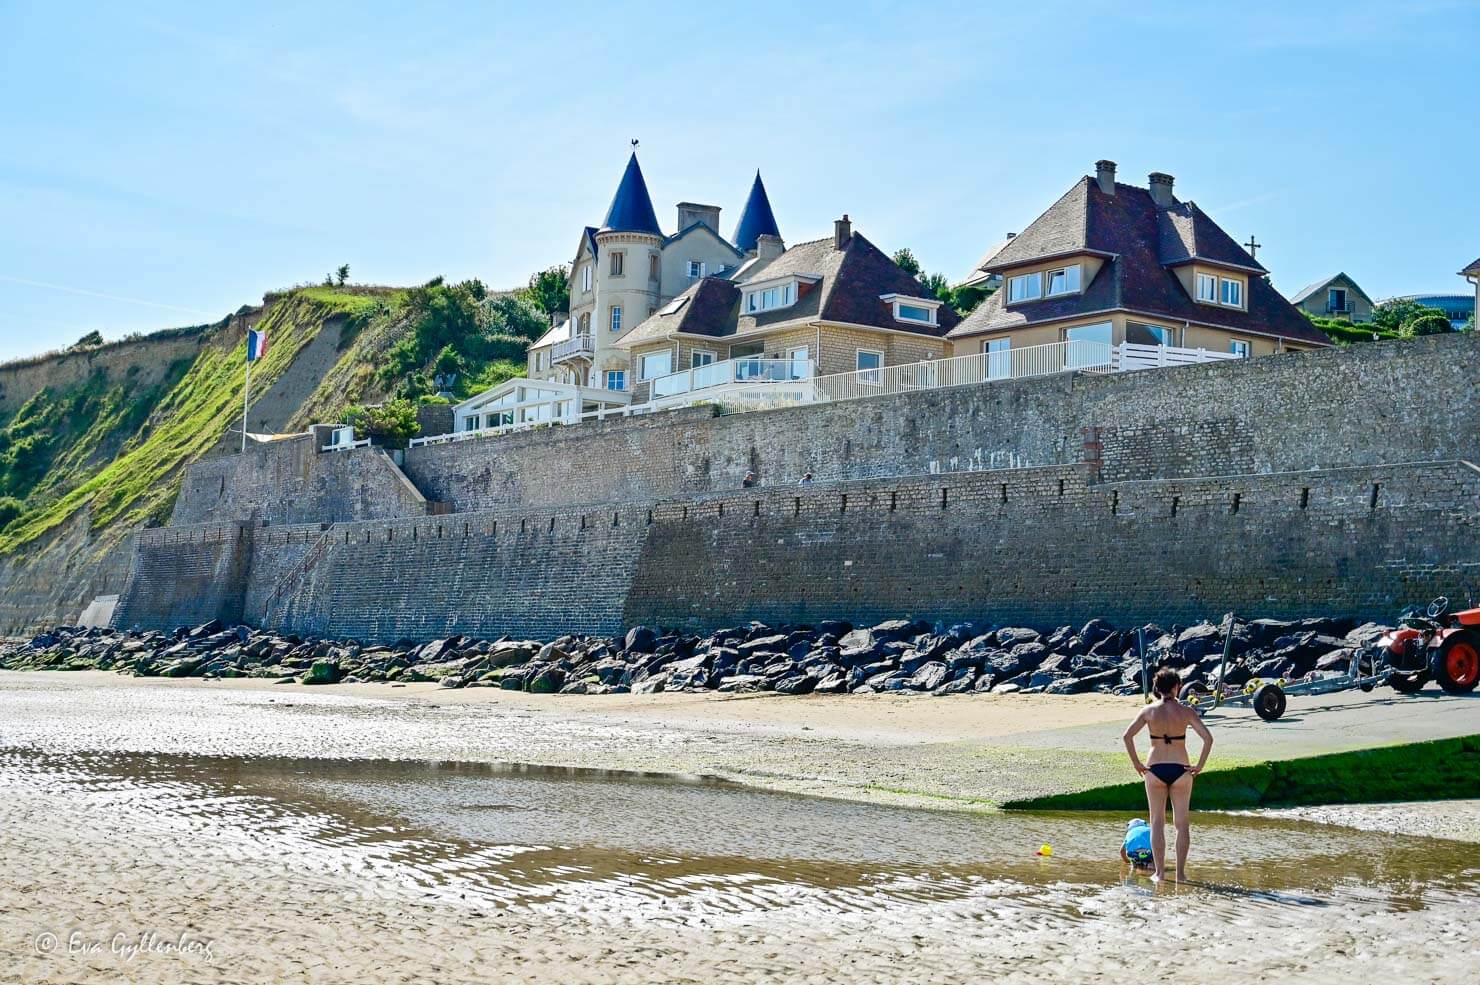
(632, 207)
(756, 219)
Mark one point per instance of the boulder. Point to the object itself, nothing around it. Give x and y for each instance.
(960, 683)
(831, 684)
(796, 684)
(641, 639)
(928, 677)
(1199, 641)
(1014, 635)
(322, 672)
(742, 683)
(894, 630)
(547, 680)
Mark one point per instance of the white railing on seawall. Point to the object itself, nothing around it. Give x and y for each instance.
(978, 367)
(1133, 355)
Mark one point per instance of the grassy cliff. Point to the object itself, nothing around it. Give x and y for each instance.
(87, 455)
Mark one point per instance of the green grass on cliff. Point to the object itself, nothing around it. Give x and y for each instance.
(117, 454)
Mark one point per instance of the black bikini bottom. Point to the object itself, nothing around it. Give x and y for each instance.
(1168, 773)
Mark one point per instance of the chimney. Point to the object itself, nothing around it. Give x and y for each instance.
(768, 247)
(842, 232)
(691, 212)
(1161, 189)
(1105, 176)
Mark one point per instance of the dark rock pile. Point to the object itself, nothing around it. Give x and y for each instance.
(831, 658)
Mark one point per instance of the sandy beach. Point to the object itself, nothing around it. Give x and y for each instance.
(212, 831)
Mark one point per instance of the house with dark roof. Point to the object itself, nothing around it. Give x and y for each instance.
(835, 305)
(1113, 263)
(1337, 296)
(627, 268)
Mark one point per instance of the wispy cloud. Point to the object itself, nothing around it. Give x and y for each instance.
(100, 294)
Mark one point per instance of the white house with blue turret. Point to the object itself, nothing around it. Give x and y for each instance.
(628, 268)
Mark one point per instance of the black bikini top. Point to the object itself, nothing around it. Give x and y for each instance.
(1168, 739)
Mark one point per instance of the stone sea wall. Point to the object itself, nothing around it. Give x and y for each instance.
(1292, 485)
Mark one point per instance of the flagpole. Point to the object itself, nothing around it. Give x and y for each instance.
(246, 390)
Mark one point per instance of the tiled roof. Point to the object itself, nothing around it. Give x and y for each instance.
(756, 218)
(1319, 285)
(632, 208)
(1142, 244)
(847, 288)
(559, 333)
(1473, 268)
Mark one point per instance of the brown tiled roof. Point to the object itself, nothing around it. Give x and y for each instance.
(847, 288)
(1142, 244)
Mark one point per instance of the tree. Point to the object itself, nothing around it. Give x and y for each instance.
(938, 287)
(10, 508)
(342, 274)
(1434, 323)
(1392, 316)
(391, 423)
(547, 289)
(88, 341)
(513, 314)
(904, 258)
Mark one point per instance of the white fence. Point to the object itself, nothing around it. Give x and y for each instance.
(1132, 355)
(729, 372)
(979, 367)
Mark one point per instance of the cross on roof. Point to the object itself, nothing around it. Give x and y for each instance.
(1253, 246)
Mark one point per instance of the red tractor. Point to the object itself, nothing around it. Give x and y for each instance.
(1436, 644)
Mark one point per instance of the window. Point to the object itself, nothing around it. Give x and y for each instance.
(470, 423)
(1239, 348)
(1064, 280)
(1207, 288)
(999, 358)
(616, 379)
(616, 319)
(655, 266)
(772, 297)
(1232, 292)
(585, 277)
(1089, 345)
(1147, 334)
(672, 307)
(619, 260)
(700, 357)
(1024, 287)
(915, 312)
(583, 324)
(1336, 300)
(869, 363)
(657, 364)
(696, 268)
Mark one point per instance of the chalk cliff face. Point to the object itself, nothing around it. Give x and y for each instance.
(93, 442)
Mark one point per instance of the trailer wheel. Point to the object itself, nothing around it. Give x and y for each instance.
(1456, 664)
(1408, 683)
(1269, 702)
(1194, 689)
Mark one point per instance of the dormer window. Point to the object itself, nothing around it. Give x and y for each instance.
(1225, 291)
(1025, 287)
(768, 298)
(1064, 280)
(1231, 292)
(918, 311)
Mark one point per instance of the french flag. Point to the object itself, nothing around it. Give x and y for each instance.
(256, 345)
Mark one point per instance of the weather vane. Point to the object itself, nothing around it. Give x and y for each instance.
(634, 143)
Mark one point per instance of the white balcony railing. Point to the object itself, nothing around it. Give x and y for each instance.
(575, 347)
(1132, 355)
(979, 367)
(731, 371)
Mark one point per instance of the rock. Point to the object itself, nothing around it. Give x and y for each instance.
(548, 680)
(835, 628)
(831, 684)
(641, 639)
(796, 684)
(961, 683)
(207, 629)
(322, 672)
(1366, 634)
(1199, 641)
(1337, 660)
(928, 677)
(1272, 669)
(651, 685)
(742, 683)
(1015, 635)
(893, 630)
(763, 644)
(1007, 687)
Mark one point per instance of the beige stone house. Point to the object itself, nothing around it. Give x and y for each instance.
(1111, 263)
(835, 305)
(1337, 296)
(628, 268)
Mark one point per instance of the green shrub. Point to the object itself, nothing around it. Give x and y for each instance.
(1435, 323)
(10, 508)
(391, 424)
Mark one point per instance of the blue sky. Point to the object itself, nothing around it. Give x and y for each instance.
(163, 164)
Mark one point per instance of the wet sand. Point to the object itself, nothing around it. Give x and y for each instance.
(348, 835)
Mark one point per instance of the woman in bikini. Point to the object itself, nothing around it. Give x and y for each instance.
(1167, 770)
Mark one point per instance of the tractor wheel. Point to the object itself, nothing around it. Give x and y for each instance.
(1269, 702)
(1408, 683)
(1456, 664)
